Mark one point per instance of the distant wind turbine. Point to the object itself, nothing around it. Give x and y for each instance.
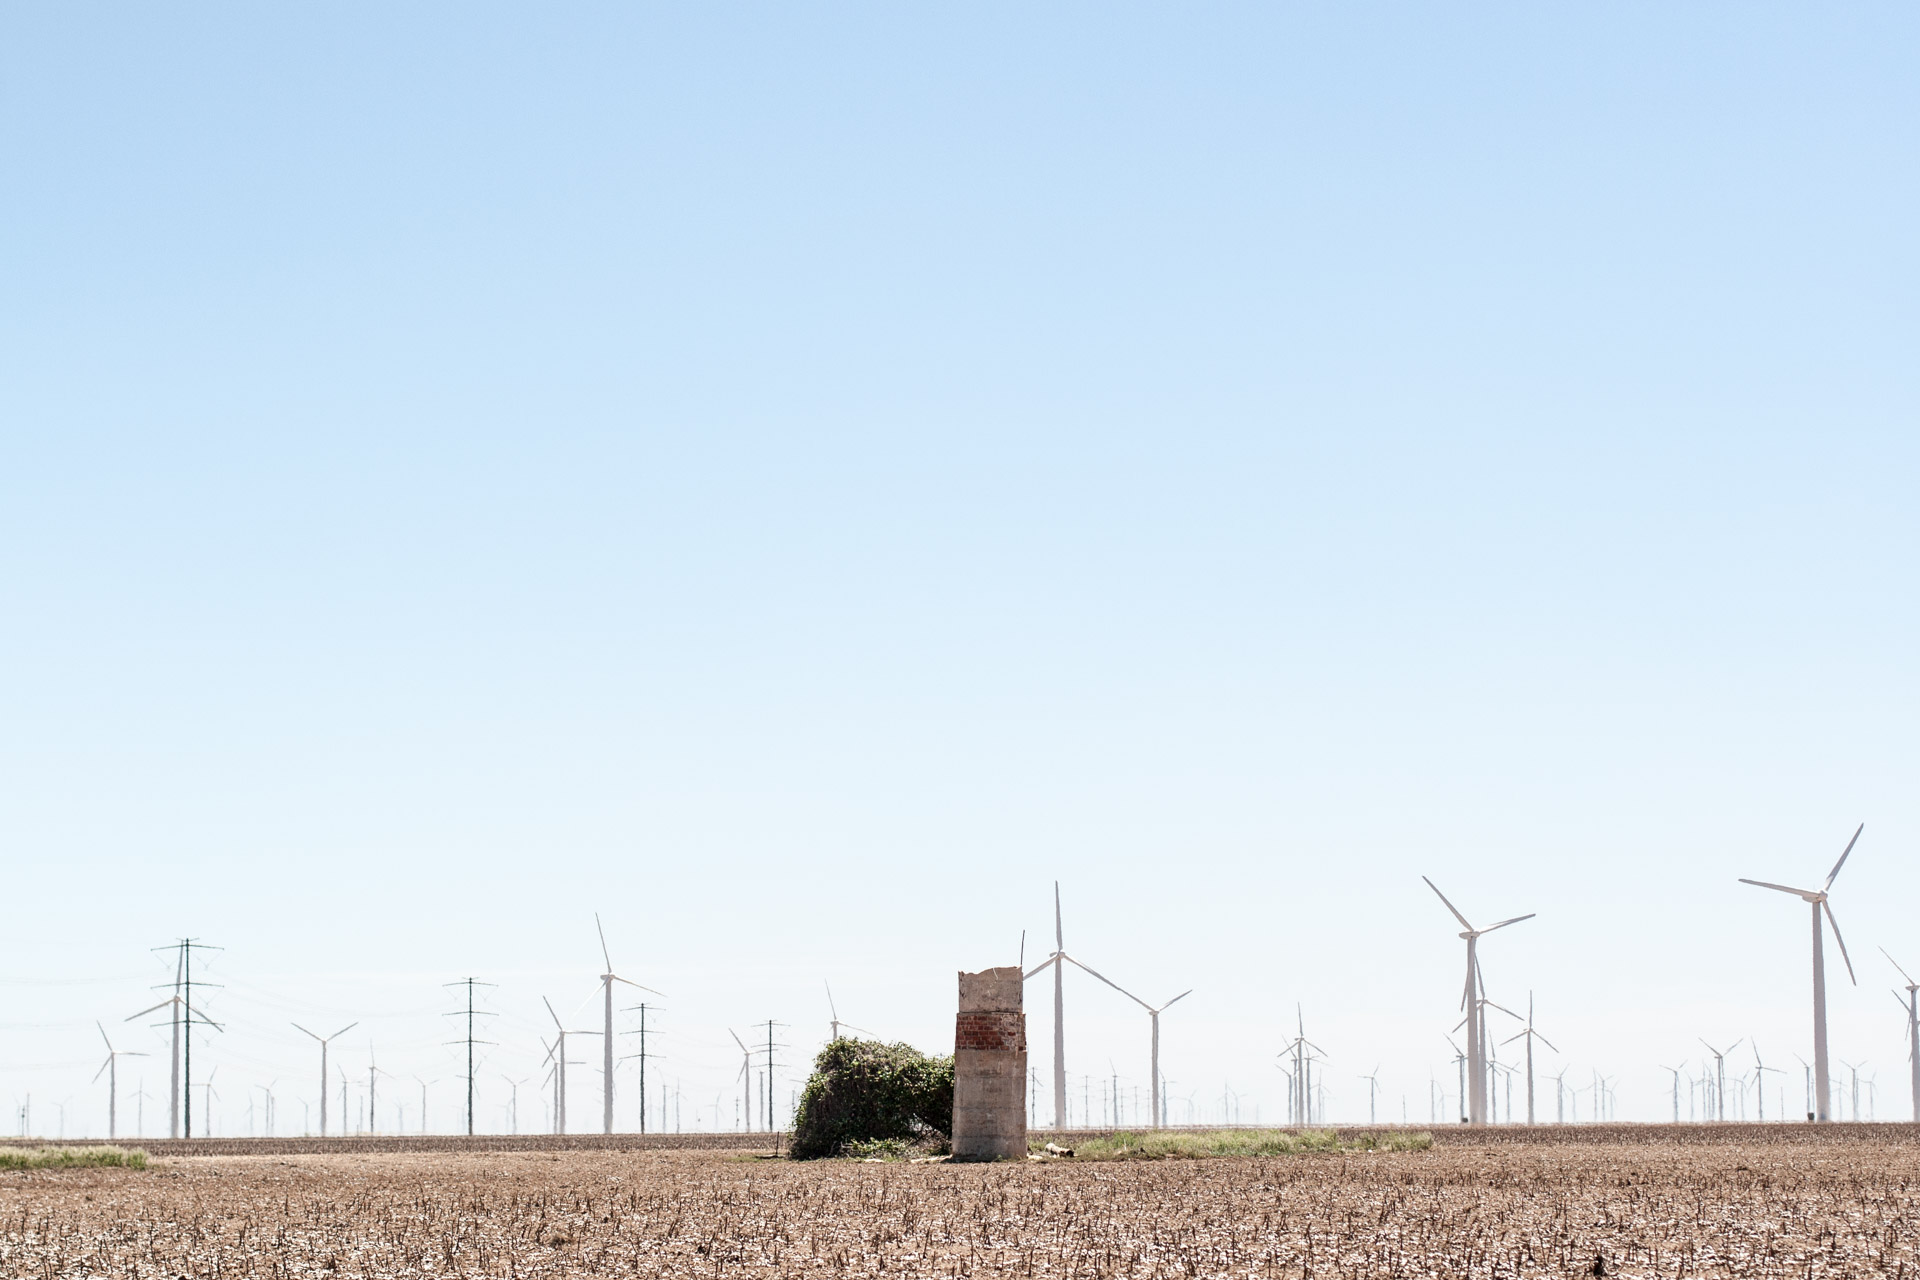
(558, 1056)
(1913, 1030)
(607, 980)
(111, 1069)
(835, 1016)
(1476, 1048)
(324, 1041)
(1530, 1035)
(1152, 1013)
(1817, 899)
(1719, 1078)
(1676, 1090)
(746, 1082)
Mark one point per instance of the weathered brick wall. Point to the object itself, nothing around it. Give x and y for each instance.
(990, 1068)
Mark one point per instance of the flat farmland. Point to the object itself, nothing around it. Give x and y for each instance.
(1741, 1201)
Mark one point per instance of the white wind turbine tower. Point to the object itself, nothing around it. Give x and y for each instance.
(1530, 1035)
(1300, 1077)
(1476, 1048)
(1676, 1090)
(1720, 1079)
(175, 1004)
(607, 980)
(1059, 1012)
(111, 1070)
(746, 1082)
(1373, 1092)
(1818, 900)
(324, 1041)
(558, 1056)
(1912, 1006)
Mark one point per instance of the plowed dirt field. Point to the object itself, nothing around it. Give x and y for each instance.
(1747, 1203)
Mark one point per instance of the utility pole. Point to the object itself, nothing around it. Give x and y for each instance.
(641, 1009)
(470, 1013)
(771, 1024)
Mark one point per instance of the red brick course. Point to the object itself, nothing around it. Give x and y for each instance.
(1002, 1031)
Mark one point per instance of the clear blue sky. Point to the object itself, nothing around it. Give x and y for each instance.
(798, 480)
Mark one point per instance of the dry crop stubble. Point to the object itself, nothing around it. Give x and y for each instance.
(1651, 1208)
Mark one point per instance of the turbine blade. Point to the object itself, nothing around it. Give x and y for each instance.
(1895, 964)
(144, 1012)
(603, 943)
(738, 1041)
(1059, 935)
(617, 978)
(1515, 920)
(1176, 1000)
(1828, 908)
(298, 1027)
(1116, 986)
(1464, 922)
(1041, 967)
(102, 1071)
(103, 1035)
(1831, 875)
(830, 1009)
(342, 1031)
(1550, 1044)
(558, 1025)
(1798, 893)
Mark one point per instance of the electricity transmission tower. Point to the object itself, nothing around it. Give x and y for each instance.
(469, 1013)
(186, 1015)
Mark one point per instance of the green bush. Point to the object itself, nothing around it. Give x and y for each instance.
(863, 1092)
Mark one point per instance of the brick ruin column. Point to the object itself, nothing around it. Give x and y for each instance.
(990, 1068)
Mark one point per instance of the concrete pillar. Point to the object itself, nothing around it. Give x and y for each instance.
(990, 1068)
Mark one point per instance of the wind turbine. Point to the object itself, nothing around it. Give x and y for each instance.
(558, 1055)
(1301, 1077)
(1854, 1067)
(373, 1069)
(835, 1022)
(1720, 1078)
(423, 1101)
(1530, 1035)
(1476, 1048)
(1152, 1013)
(175, 1004)
(1373, 1092)
(1676, 1090)
(607, 980)
(1817, 899)
(111, 1070)
(323, 1074)
(1912, 1007)
(746, 1082)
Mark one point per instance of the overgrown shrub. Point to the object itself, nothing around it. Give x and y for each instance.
(865, 1092)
